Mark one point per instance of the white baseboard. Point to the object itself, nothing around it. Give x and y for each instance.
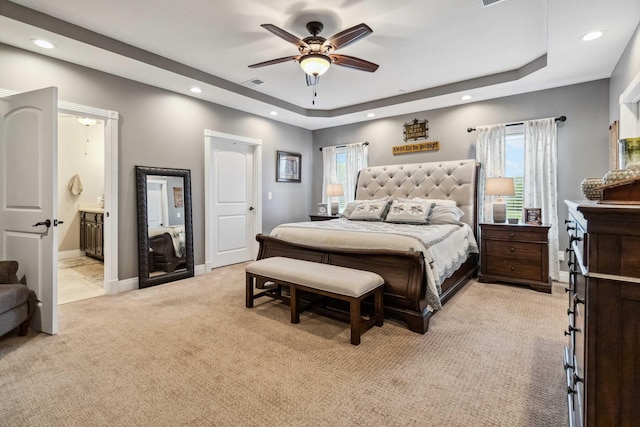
(70, 254)
(564, 276)
(133, 283)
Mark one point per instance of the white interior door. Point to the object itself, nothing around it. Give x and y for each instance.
(233, 199)
(28, 195)
(157, 203)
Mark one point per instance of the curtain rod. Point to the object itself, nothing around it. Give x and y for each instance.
(341, 146)
(557, 119)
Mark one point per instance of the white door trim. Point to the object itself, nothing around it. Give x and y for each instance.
(110, 184)
(209, 208)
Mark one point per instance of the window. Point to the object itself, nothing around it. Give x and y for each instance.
(341, 176)
(341, 165)
(514, 167)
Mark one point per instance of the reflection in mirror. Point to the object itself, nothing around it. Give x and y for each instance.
(165, 230)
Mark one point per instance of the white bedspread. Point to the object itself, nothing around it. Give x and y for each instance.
(445, 247)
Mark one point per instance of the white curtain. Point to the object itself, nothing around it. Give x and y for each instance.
(540, 179)
(328, 170)
(490, 146)
(357, 158)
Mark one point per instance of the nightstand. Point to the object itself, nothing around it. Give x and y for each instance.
(515, 253)
(323, 217)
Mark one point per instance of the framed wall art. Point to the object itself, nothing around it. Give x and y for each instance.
(288, 166)
(533, 216)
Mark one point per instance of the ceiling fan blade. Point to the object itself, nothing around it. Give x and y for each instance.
(275, 61)
(348, 36)
(355, 63)
(285, 35)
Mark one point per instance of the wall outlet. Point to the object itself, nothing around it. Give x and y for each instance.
(561, 256)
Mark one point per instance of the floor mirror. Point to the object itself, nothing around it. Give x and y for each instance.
(165, 226)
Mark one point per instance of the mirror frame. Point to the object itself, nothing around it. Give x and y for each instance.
(144, 281)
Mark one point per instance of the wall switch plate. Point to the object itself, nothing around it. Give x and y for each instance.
(269, 195)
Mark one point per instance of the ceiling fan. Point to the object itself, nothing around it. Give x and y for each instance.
(316, 52)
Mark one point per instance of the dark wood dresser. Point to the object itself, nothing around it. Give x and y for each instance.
(91, 234)
(515, 253)
(602, 355)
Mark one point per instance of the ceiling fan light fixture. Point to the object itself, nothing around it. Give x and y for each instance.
(315, 64)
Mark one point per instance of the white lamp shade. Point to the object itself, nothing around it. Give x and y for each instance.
(315, 64)
(334, 190)
(499, 187)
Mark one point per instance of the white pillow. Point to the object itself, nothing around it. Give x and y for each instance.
(439, 202)
(370, 211)
(445, 215)
(409, 212)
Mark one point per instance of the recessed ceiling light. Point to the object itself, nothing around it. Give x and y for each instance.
(273, 113)
(196, 89)
(466, 97)
(592, 36)
(43, 43)
(371, 115)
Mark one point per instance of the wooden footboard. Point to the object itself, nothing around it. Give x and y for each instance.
(404, 274)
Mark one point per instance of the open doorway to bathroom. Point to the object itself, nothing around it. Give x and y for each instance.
(81, 190)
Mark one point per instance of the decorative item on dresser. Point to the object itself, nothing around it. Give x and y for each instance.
(602, 356)
(515, 253)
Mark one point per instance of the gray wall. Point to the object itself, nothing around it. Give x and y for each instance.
(165, 129)
(626, 69)
(582, 139)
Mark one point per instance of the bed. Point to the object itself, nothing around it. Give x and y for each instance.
(417, 282)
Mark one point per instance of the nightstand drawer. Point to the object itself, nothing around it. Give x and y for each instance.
(520, 269)
(511, 235)
(519, 250)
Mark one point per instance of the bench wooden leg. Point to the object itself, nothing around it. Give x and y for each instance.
(294, 303)
(355, 321)
(379, 307)
(24, 328)
(249, 294)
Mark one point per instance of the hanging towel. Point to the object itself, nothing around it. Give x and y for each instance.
(75, 186)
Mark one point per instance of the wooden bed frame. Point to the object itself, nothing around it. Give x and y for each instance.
(404, 272)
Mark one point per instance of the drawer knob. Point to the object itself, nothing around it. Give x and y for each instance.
(513, 268)
(512, 249)
(511, 234)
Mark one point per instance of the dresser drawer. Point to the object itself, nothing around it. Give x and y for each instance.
(520, 250)
(516, 268)
(513, 235)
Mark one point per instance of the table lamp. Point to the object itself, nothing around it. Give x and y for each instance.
(334, 190)
(499, 186)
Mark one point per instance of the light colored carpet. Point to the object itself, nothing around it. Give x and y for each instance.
(190, 353)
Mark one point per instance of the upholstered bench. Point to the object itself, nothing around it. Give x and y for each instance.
(327, 280)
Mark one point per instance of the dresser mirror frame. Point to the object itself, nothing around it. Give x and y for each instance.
(145, 278)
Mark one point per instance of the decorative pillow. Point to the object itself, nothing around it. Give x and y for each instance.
(351, 206)
(445, 215)
(409, 212)
(370, 211)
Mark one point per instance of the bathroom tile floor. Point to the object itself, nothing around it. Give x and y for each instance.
(79, 278)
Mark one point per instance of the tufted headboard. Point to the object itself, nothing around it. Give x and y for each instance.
(454, 179)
